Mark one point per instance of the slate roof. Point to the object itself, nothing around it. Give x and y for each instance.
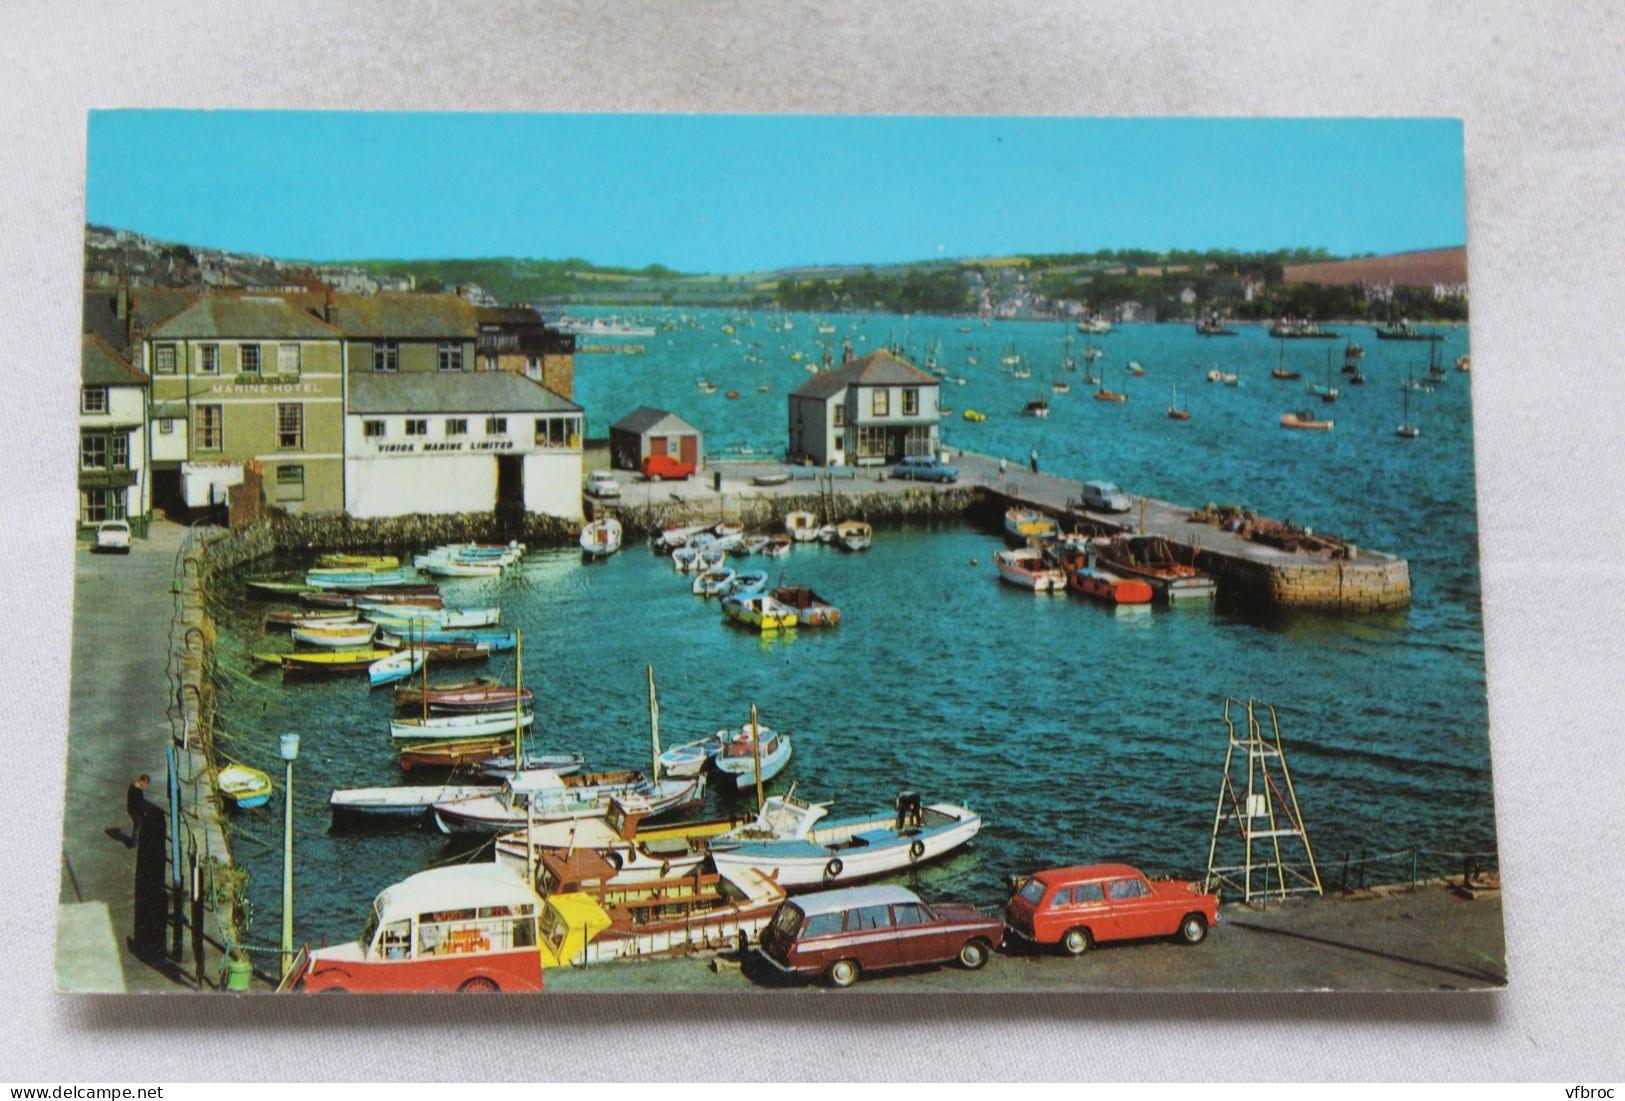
(874, 369)
(101, 365)
(645, 417)
(148, 307)
(249, 316)
(453, 392)
(404, 315)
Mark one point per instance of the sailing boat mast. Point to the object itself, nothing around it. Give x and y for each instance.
(518, 700)
(756, 752)
(654, 726)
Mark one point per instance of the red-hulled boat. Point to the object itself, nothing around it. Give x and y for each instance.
(1083, 576)
(411, 694)
(489, 698)
(423, 596)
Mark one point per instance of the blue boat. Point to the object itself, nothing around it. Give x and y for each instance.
(746, 584)
(495, 641)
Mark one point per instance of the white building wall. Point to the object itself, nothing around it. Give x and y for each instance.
(168, 447)
(400, 485)
(553, 483)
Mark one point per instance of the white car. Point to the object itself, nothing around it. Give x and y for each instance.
(601, 483)
(1105, 497)
(113, 535)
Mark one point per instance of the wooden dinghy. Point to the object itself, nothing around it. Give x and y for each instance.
(267, 586)
(321, 662)
(854, 535)
(441, 727)
(440, 653)
(337, 636)
(358, 561)
(243, 787)
(304, 617)
(811, 609)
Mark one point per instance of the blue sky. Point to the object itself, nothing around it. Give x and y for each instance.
(742, 193)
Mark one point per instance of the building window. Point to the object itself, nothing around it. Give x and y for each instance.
(163, 359)
(840, 414)
(911, 402)
(96, 505)
(558, 431)
(871, 442)
(881, 403)
(386, 356)
(457, 426)
(248, 359)
(496, 426)
(373, 430)
(290, 483)
(417, 426)
(208, 359)
(490, 363)
(533, 366)
(918, 440)
(290, 426)
(166, 426)
(93, 399)
(92, 451)
(287, 359)
(209, 433)
(451, 356)
(118, 451)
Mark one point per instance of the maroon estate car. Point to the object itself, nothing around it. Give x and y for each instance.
(841, 934)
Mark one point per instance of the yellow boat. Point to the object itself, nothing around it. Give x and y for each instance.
(973, 415)
(243, 786)
(359, 561)
(762, 613)
(320, 661)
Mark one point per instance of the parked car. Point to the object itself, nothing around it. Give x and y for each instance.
(113, 535)
(841, 934)
(665, 468)
(924, 469)
(601, 483)
(1080, 907)
(1105, 497)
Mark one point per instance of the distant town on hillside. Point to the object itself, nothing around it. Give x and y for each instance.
(1125, 285)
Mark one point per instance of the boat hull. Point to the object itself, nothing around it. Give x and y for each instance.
(831, 859)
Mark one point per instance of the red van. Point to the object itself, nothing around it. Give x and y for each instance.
(1079, 907)
(658, 468)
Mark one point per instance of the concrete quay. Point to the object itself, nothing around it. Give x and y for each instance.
(1359, 581)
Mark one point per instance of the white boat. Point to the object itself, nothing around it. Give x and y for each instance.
(637, 853)
(338, 637)
(602, 326)
(396, 667)
(402, 621)
(471, 725)
(685, 559)
(753, 544)
(690, 758)
(673, 536)
(1029, 569)
(827, 534)
(402, 802)
(737, 758)
(446, 567)
(802, 526)
(545, 796)
(712, 582)
(601, 538)
(792, 844)
(854, 535)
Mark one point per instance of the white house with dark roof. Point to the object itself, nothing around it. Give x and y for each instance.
(113, 481)
(449, 442)
(865, 412)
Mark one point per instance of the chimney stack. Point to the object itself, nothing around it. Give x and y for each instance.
(123, 303)
(327, 306)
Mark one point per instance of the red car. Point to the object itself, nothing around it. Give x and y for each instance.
(1078, 908)
(841, 934)
(663, 467)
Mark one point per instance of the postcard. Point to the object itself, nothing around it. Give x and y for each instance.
(567, 553)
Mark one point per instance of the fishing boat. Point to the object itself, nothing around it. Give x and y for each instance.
(802, 526)
(300, 617)
(1305, 419)
(853, 535)
(1280, 370)
(712, 582)
(453, 753)
(465, 700)
(1149, 558)
(670, 537)
(1404, 330)
(1022, 524)
(1095, 326)
(1029, 568)
(826, 534)
(545, 796)
(623, 835)
(685, 559)
(565, 764)
(792, 844)
(1038, 407)
(690, 758)
(1216, 375)
(1289, 329)
(753, 544)
(1135, 369)
(1175, 413)
(811, 609)
(1084, 576)
(751, 750)
(601, 538)
(479, 724)
(1060, 386)
(759, 612)
(778, 546)
(1103, 394)
(243, 787)
(396, 667)
(360, 561)
(1213, 326)
(1327, 393)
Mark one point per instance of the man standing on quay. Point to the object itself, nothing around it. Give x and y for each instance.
(135, 804)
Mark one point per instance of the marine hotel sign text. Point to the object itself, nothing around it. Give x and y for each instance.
(265, 388)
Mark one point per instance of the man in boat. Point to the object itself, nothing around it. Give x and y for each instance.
(1032, 458)
(135, 805)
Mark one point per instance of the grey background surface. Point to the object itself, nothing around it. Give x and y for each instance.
(1540, 91)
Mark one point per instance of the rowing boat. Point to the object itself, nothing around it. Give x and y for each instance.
(337, 636)
(396, 667)
(244, 787)
(480, 724)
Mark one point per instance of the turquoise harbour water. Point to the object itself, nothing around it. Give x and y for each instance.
(1079, 733)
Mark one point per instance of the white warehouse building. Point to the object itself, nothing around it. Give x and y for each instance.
(451, 442)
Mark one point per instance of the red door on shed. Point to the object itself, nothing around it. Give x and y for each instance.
(657, 445)
(690, 450)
